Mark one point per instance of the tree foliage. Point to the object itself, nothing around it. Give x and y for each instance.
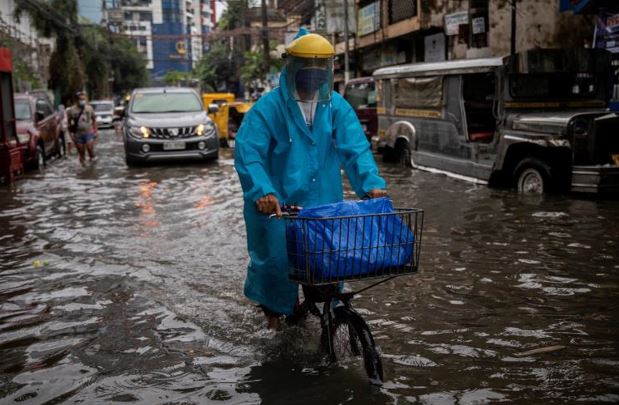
(128, 66)
(231, 17)
(252, 72)
(85, 57)
(215, 67)
(176, 78)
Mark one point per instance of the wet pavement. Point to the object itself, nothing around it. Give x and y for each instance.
(124, 285)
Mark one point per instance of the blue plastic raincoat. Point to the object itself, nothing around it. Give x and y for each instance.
(276, 152)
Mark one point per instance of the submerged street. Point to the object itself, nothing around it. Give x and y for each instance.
(125, 285)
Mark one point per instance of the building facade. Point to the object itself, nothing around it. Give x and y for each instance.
(392, 32)
(26, 44)
(171, 34)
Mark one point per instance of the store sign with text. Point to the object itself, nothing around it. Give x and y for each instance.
(607, 30)
(369, 18)
(454, 21)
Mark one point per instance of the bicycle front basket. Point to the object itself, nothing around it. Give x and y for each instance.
(331, 249)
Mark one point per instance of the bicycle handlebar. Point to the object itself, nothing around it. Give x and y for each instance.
(288, 211)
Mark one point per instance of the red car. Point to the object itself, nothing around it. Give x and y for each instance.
(361, 94)
(39, 127)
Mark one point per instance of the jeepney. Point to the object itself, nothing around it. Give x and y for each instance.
(227, 116)
(538, 120)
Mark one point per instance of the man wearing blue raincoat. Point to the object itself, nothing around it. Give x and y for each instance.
(289, 150)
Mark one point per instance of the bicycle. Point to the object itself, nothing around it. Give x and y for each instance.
(323, 263)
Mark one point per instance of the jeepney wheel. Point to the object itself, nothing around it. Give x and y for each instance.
(404, 154)
(532, 176)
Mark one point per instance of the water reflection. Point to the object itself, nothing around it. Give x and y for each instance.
(141, 297)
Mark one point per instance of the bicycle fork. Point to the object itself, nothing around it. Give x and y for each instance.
(327, 319)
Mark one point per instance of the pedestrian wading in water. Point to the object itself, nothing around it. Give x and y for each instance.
(82, 127)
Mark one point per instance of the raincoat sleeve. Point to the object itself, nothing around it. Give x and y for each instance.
(354, 150)
(250, 157)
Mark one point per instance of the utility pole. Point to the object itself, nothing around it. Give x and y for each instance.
(513, 39)
(346, 50)
(265, 38)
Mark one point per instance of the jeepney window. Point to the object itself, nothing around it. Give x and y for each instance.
(419, 92)
(361, 95)
(555, 85)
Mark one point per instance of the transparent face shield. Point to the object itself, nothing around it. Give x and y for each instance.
(310, 79)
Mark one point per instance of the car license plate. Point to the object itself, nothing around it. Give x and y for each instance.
(174, 146)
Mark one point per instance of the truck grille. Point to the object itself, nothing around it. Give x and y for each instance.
(172, 133)
(597, 141)
(605, 139)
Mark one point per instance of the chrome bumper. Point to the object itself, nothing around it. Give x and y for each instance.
(595, 179)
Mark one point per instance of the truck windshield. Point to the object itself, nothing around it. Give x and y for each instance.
(22, 110)
(166, 102)
(555, 86)
(361, 95)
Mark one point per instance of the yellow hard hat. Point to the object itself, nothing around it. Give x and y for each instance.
(310, 46)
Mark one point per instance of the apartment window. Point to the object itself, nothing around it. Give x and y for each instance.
(145, 16)
(401, 9)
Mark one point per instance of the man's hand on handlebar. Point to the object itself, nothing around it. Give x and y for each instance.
(377, 193)
(269, 205)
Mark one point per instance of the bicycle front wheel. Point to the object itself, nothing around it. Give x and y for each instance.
(349, 338)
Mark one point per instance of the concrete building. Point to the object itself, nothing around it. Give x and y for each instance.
(26, 43)
(169, 33)
(392, 32)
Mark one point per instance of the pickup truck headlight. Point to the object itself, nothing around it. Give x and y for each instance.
(139, 132)
(206, 129)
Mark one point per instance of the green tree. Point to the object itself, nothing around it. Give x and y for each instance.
(252, 70)
(95, 59)
(58, 19)
(22, 72)
(128, 67)
(176, 78)
(215, 67)
(85, 57)
(231, 17)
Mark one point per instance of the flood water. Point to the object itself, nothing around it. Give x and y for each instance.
(124, 285)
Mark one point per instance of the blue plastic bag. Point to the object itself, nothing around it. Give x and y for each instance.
(343, 240)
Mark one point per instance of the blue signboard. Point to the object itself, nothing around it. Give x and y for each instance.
(172, 46)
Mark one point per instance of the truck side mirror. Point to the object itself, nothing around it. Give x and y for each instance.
(213, 108)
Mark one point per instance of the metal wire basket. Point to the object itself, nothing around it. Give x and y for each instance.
(358, 247)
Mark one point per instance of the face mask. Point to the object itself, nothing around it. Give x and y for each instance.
(82, 103)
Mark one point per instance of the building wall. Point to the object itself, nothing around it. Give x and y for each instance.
(169, 33)
(30, 47)
(538, 25)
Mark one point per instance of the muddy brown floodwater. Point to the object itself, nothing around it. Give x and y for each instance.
(124, 285)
